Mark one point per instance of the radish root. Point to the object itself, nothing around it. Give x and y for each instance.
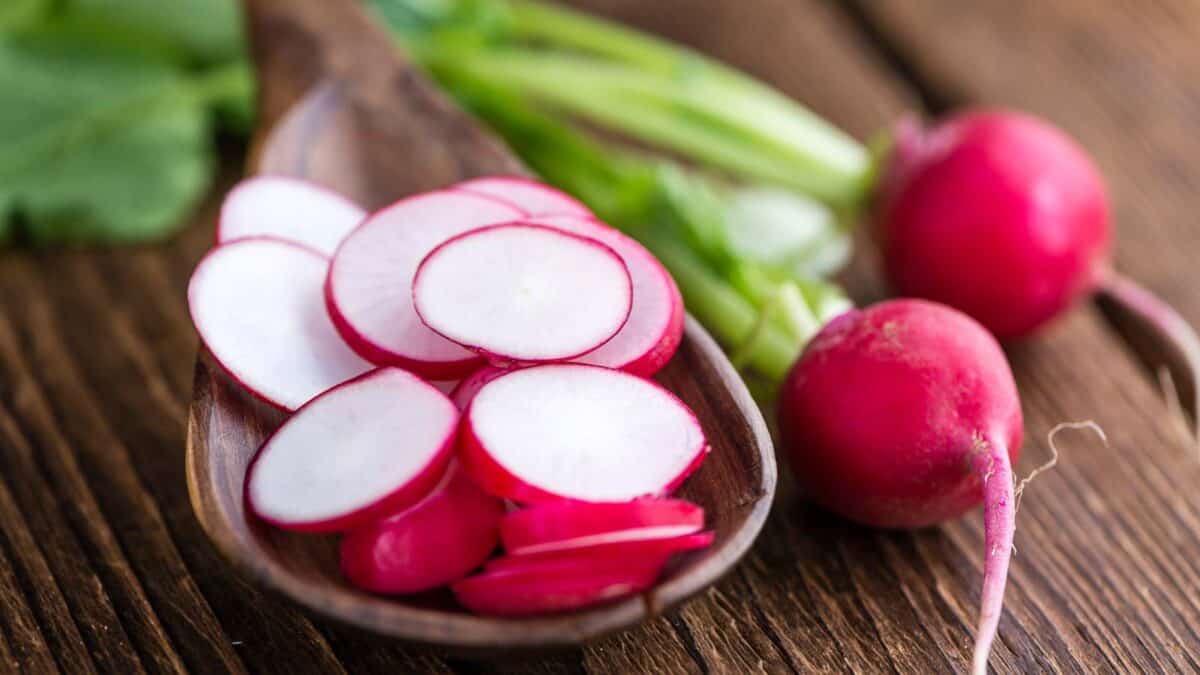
(1174, 407)
(991, 463)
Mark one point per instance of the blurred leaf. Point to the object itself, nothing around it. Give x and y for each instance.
(96, 145)
(201, 31)
(792, 233)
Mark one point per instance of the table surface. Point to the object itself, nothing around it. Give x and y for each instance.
(104, 568)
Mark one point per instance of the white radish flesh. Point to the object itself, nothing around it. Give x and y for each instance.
(290, 209)
(552, 523)
(258, 307)
(369, 289)
(578, 432)
(366, 448)
(650, 337)
(436, 541)
(536, 199)
(523, 293)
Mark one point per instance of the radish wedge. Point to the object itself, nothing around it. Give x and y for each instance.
(553, 523)
(542, 590)
(655, 326)
(630, 546)
(369, 289)
(523, 293)
(257, 306)
(290, 209)
(578, 432)
(536, 199)
(470, 385)
(438, 540)
(361, 450)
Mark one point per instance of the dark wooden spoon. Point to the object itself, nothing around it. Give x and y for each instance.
(339, 106)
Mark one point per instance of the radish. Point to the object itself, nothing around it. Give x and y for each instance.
(655, 326)
(257, 306)
(905, 414)
(447, 387)
(288, 208)
(471, 384)
(552, 523)
(438, 540)
(578, 432)
(536, 199)
(369, 288)
(628, 544)
(523, 293)
(560, 588)
(366, 448)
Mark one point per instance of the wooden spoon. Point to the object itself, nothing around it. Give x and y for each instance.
(339, 106)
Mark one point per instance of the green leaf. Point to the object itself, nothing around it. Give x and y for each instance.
(96, 145)
(202, 31)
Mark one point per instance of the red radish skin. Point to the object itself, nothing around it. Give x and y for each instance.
(566, 520)
(903, 415)
(655, 327)
(536, 199)
(538, 590)
(438, 540)
(369, 288)
(533, 293)
(366, 448)
(571, 431)
(256, 304)
(634, 544)
(471, 384)
(288, 208)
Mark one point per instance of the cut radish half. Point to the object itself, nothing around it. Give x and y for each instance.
(541, 590)
(290, 209)
(369, 289)
(551, 523)
(361, 450)
(438, 540)
(466, 390)
(578, 432)
(257, 306)
(536, 199)
(523, 293)
(655, 326)
(647, 549)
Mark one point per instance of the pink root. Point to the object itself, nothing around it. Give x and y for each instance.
(990, 461)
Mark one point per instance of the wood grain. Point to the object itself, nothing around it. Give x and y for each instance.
(1106, 572)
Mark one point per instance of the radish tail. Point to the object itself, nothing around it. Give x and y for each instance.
(1170, 325)
(991, 463)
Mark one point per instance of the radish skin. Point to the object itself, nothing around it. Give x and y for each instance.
(436, 541)
(555, 522)
(471, 384)
(532, 197)
(541, 590)
(630, 544)
(903, 415)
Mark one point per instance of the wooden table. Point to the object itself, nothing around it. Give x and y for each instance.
(104, 568)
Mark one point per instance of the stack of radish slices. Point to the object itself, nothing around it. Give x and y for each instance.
(466, 367)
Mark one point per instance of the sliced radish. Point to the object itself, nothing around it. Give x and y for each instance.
(288, 208)
(541, 590)
(551, 523)
(369, 289)
(649, 549)
(438, 540)
(578, 432)
(655, 326)
(366, 448)
(447, 387)
(257, 306)
(523, 293)
(536, 199)
(471, 384)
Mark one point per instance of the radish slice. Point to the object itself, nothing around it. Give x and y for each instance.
(290, 209)
(447, 387)
(650, 548)
(369, 289)
(536, 199)
(566, 521)
(369, 447)
(578, 432)
(257, 306)
(655, 326)
(523, 293)
(541, 590)
(466, 390)
(438, 540)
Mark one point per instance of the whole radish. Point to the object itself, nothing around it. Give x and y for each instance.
(903, 415)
